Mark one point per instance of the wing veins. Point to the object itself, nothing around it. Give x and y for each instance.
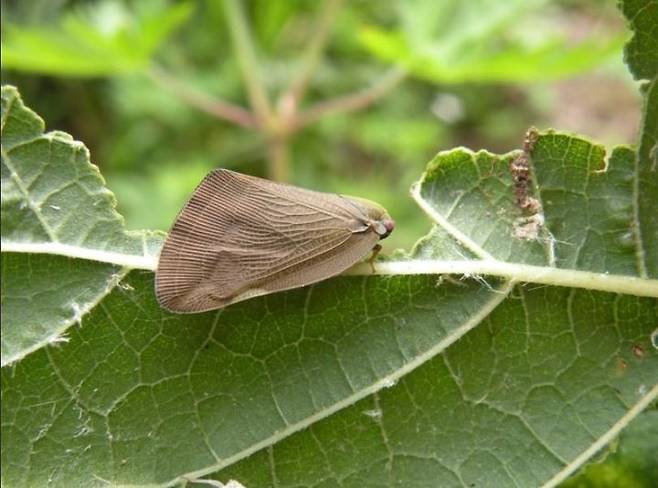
(310, 206)
(290, 263)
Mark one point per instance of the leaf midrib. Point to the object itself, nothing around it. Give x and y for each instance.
(546, 275)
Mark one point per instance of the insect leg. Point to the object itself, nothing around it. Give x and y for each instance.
(375, 251)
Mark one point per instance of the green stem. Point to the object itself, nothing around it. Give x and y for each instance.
(279, 156)
(245, 53)
(313, 52)
(201, 100)
(349, 103)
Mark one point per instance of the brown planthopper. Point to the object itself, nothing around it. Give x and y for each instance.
(240, 236)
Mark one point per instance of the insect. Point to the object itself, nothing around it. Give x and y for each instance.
(240, 236)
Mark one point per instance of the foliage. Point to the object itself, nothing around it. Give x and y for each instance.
(104, 40)
(433, 43)
(141, 134)
(508, 347)
(632, 464)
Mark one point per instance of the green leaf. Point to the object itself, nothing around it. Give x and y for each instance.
(548, 378)
(630, 462)
(452, 43)
(357, 379)
(641, 55)
(519, 401)
(166, 395)
(641, 52)
(585, 220)
(54, 201)
(105, 39)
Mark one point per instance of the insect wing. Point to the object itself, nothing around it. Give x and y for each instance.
(240, 236)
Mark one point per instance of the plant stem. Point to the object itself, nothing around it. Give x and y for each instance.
(245, 53)
(279, 156)
(202, 100)
(313, 52)
(354, 101)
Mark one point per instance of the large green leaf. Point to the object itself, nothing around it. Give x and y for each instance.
(139, 396)
(633, 462)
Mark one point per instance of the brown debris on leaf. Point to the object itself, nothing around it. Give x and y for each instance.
(520, 168)
(529, 225)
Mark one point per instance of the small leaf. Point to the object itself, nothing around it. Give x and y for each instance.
(584, 218)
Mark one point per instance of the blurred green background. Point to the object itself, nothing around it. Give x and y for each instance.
(135, 81)
(349, 97)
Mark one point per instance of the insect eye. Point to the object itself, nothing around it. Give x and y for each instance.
(380, 228)
(384, 228)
